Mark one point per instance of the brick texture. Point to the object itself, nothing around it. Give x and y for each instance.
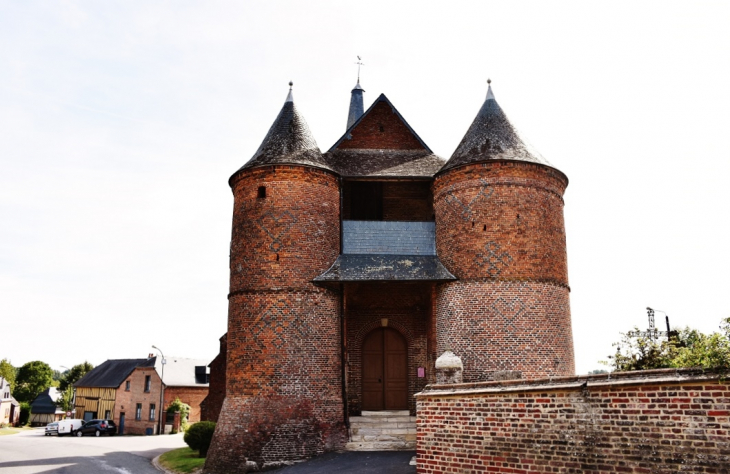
(382, 129)
(210, 408)
(126, 401)
(500, 230)
(284, 375)
(645, 422)
(407, 308)
(193, 396)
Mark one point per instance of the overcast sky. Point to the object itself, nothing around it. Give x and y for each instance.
(120, 123)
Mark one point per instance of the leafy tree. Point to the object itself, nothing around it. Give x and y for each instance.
(184, 410)
(684, 348)
(199, 435)
(7, 371)
(65, 384)
(32, 378)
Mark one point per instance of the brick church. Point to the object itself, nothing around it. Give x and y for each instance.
(353, 270)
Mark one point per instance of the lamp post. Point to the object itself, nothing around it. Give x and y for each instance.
(666, 316)
(161, 428)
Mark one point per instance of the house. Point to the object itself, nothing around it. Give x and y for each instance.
(9, 406)
(186, 379)
(210, 408)
(352, 271)
(43, 408)
(130, 391)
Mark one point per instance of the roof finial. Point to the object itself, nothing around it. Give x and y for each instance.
(359, 63)
(290, 97)
(291, 84)
(490, 94)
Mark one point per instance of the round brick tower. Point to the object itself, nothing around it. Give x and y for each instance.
(284, 376)
(500, 230)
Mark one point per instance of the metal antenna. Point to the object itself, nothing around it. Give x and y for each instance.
(359, 63)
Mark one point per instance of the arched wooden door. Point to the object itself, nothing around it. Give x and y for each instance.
(384, 371)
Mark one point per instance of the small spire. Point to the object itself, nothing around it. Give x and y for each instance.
(490, 94)
(356, 103)
(290, 97)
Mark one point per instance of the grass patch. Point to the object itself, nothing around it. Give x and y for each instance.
(10, 431)
(182, 460)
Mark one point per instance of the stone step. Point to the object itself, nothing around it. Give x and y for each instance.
(381, 446)
(382, 431)
(386, 413)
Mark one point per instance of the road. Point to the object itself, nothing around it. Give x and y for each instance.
(30, 452)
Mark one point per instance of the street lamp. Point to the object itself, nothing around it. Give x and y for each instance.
(666, 316)
(161, 428)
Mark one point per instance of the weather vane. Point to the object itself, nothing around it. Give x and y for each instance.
(359, 63)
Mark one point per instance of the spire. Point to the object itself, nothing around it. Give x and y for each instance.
(356, 105)
(289, 141)
(491, 136)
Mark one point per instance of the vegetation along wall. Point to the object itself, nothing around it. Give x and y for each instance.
(659, 421)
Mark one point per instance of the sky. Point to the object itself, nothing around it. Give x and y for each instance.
(121, 122)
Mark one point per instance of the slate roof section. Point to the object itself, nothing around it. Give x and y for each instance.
(45, 402)
(180, 372)
(385, 163)
(491, 136)
(112, 372)
(358, 268)
(288, 142)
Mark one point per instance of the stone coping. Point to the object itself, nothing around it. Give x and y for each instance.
(639, 377)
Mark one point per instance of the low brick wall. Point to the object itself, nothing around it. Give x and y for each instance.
(660, 421)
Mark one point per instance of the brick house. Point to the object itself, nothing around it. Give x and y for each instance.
(351, 271)
(129, 392)
(211, 406)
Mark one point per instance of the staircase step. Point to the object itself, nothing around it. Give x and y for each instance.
(381, 446)
(386, 413)
(382, 431)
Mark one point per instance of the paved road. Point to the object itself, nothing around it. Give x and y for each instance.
(30, 452)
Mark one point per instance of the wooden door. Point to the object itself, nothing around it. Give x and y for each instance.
(384, 371)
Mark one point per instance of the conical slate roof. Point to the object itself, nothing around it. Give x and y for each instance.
(288, 142)
(491, 136)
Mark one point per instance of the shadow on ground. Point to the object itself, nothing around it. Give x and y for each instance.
(362, 462)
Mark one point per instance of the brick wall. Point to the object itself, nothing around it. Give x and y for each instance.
(381, 129)
(407, 308)
(193, 396)
(662, 421)
(126, 401)
(210, 408)
(284, 374)
(500, 231)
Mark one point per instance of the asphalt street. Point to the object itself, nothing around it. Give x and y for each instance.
(32, 452)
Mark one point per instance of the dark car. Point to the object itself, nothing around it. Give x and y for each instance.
(97, 428)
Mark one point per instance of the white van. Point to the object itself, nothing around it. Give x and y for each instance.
(69, 426)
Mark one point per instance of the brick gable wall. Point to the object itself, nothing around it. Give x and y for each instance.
(382, 129)
(126, 401)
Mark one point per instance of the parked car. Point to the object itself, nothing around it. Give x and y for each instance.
(52, 428)
(97, 428)
(69, 426)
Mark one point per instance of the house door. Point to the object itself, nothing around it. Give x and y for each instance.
(122, 416)
(384, 371)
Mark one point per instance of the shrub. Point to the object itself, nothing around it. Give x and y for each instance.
(184, 410)
(199, 435)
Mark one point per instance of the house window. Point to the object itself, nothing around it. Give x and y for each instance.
(126, 386)
(107, 415)
(152, 412)
(138, 412)
(147, 380)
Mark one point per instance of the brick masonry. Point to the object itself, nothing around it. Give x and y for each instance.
(382, 129)
(127, 400)
(284, 374)
(662, 421)
(210, 408)
(407, 308)
(500, 230)
(193, 396)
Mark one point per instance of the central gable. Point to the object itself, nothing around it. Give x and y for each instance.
(381, 127)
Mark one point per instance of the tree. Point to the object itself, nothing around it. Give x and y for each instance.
(184, 410)
(7, 371)
(199, 435)
(32, 378)
(684, 348)
(66, 383)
